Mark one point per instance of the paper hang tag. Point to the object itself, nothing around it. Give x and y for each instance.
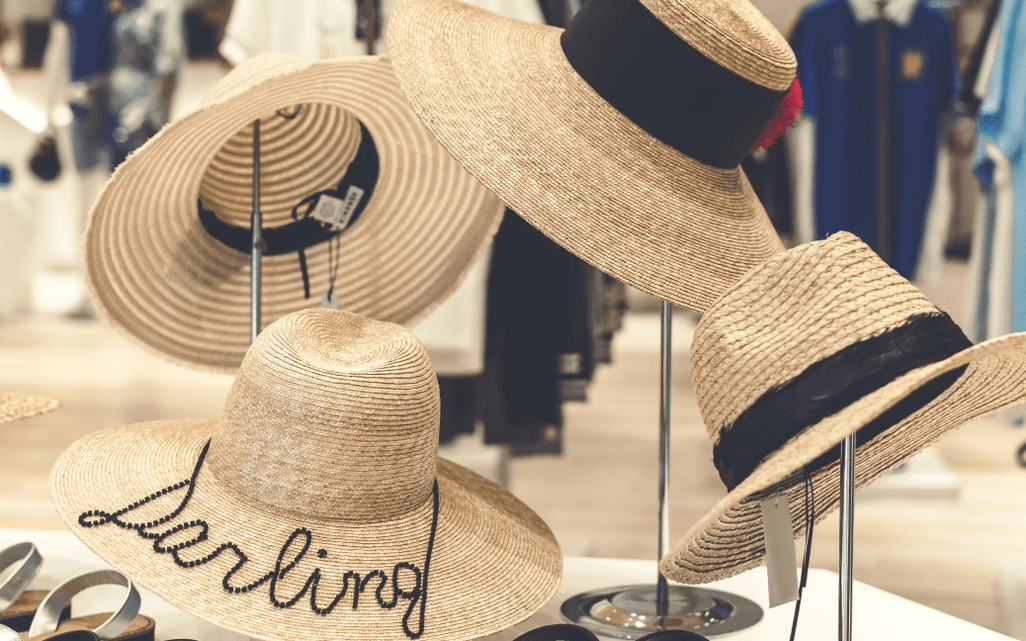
(781, 563)
(329, 301)
(334, 213)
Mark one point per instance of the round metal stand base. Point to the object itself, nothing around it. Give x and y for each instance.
(629, 611)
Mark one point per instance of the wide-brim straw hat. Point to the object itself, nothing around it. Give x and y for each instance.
(157, 274)
(15, 405)
(662, 204)
(821, 342)
(322, 464)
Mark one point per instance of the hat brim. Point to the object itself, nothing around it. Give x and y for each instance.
(502, 98)
(493, 562)
(157, 276)
(729, 539)
(16, 405)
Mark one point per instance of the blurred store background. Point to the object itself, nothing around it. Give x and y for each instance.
(571, 426)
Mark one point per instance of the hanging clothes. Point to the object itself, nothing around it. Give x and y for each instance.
(769, 174)
(148, 46)
(836, 45)
(89, 29)
(1002, 123)
(319, 29)
(545, 307)
(962, 139)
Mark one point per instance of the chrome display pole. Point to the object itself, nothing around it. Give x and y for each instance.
(847, 547)
(256, 222)
(632, 611)
(883, 134)
(662, 588)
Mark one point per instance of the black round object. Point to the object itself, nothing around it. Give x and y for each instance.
(45, 163)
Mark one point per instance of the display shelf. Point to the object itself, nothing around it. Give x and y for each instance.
(878, 615)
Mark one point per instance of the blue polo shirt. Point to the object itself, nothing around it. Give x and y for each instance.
(89, 23)
(837, 70)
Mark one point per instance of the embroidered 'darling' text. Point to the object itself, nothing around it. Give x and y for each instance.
(403, 582)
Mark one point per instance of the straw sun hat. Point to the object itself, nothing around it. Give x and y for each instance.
(15, 405)
(319, 486)
(840, 344)
(168, 241)
(619, 138)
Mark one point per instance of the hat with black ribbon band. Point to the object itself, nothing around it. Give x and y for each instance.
(666, 86)
(361, 208)
(618, 138)
(842, 345)
(835, 382)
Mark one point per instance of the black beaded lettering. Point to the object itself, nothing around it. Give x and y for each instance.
(382, 582)
(159, 548)
(178, 539)
(316, 575)
(280, 572)
(422, 582)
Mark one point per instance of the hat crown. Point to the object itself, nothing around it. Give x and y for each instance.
(732, 33)
(812, 301)
(334, 415)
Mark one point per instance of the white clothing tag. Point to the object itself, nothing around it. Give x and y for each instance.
(329, 301)
(781, 564)
(336, 213)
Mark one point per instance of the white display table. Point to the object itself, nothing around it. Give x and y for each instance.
(879, 616)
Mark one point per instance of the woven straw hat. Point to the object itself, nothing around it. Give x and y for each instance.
(840, 343)
(320, 488)
(418, 220)
(15, 405)
(619, 138)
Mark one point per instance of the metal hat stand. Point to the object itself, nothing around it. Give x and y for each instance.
(257, 250)
(256, 224)
(632, 611)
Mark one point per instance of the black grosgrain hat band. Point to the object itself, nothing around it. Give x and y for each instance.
(354, 191)
(666, 86)
(831, 384)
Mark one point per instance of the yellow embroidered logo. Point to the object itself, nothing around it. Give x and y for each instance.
(913, 64)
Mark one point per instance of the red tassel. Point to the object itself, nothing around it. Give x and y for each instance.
(784, 118)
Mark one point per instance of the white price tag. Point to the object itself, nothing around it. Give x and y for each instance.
(329, 301)
(781, 564)
(335, 213)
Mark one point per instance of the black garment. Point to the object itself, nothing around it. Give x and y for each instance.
(527, 326)
(458, 407)
(768, 172)
(548, 313)
(550, 321)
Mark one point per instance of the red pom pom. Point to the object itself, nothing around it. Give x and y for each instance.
(784, 118)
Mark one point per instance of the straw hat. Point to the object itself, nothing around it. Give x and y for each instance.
(319, 486)
(619, 138)
(818, 343)
(15, 405)
(176, 279)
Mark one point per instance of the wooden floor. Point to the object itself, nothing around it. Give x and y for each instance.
(963, 555)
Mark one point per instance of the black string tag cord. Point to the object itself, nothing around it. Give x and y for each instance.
(810, 520)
